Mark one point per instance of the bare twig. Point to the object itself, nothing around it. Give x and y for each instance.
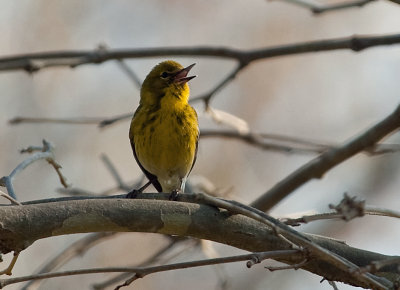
(12, 200)
(80, 121)
(373, 210)
(143, 271)
(35, 61)
(46, 153)
(158, 256)
(317, 167)
(107, 122)
(75, 191)
(290, 144)
(347, 209)
(57, 168)
(368, 210)
(207, 97)
(295, 237)
(221, 117)
(78, 248)
(259, 256)
(287, 267)
(121, 185)
(333, 284)
(273, 142)
(124, 67)
(316, 9)
(8, 270)
(7, 181)
(130, 73)
(107, 162)
(296, 145)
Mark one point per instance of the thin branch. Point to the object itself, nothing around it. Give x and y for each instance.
(215, 261)
(107, 162)
(8, 270)
(110, 121)
(158, 256)
(317, 167)
(297, 238)
(333, 284)
(278, 143)
(136, 276)
(46, 153)
(373, 210)
(124, 67)
(75, 191)
(121, 185)
(57, 168)
(341, 6)
(79, 120)
(259, 140)
(79, 247)
(142, 271)
(316, 9)
(368, 210)
(12, 200)
(287, 267)
(130, 73)
(207, 97)
(289, 144)
(33, 62)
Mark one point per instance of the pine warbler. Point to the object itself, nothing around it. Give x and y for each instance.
(164, 129)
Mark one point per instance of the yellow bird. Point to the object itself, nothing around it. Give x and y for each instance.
(164, 129)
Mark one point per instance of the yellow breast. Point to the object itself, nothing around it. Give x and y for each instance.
(165, 141)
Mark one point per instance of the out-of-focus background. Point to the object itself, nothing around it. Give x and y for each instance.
(328, 97)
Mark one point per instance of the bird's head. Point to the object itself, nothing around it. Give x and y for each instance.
(168, 78)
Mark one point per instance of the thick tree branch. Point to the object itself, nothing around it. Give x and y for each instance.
(317, 167)
(23, 225)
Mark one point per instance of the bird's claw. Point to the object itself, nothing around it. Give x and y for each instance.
(174, 195)
(133, 194)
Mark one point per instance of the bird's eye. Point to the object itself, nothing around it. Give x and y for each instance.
(164, 75)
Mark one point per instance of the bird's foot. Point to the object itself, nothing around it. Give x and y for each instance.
(133, 193)
(174, 195)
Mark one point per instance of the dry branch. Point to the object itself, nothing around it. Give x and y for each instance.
(32, 62)
(45, 152)
(318, 166)
(23, 225)
(317, 9)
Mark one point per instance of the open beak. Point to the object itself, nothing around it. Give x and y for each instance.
(181, 77)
